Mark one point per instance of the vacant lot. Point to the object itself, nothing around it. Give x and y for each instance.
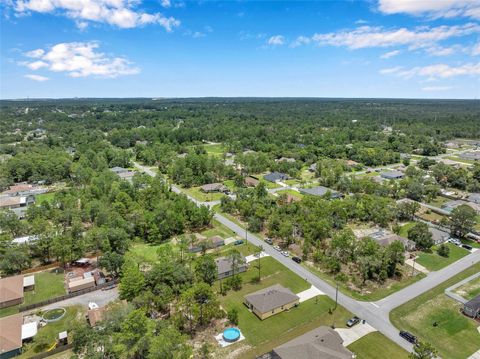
(291, 192)
(368, 347)
(47, 285)
(433, 261)
(455, 336)
(196, 193)
(39, 198)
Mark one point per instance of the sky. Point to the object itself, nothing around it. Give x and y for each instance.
(178, 48)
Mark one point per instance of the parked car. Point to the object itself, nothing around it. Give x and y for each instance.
(277, 248)
(268, 241)
(297, 259)
(353, 321)
(455, 241)
(466, 246)
(238, 242)
(285, 253)
(409, 337)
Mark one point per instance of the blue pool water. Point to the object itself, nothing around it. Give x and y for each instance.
(231, 334)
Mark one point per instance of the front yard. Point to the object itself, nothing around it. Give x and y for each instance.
(47, 285)
(196, 193)
(455, 336)
(469, 290)
(433, 261)
(368, 347)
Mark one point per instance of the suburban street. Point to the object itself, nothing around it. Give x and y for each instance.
(375, 313)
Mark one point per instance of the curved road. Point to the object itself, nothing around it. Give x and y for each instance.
(375, 313)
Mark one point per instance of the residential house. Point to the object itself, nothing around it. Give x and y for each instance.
(275, 177)
(392, 175)
(96, 315)
(474, 197)
(76, 284)
(438, 235)
(251, 181)
(270, 301)
(385, 238)
(204, 243)
(451, 205)
(24, 189)
(351, 163)
(285, 159)
(323, 342)
(321, 191)
(225, 267)
(471, 156)
(12, 202)
(26, 239)
(312, 167)
(11, 290)
(472, 307)
(123, 173)
(214, 187)
(13, 332)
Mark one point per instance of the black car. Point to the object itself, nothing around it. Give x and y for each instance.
(466, 246)
(353, 321)
(297, 259)
(409, 337)
(269, 241)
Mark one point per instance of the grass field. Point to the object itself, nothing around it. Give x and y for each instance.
(268, 184)
(433, 261)
(374, 293)
(196, 193)
(469, 290)
(404, 230)
(73, 315)
(458, 159)
(455, 336)
(291, 192)
(215, 149)
(375, 346)
(439, 201)
(47, 285)
(271, 332)
(44, 197)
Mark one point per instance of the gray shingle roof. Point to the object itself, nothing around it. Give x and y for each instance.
(270, 298)
(322, 342)
(275, 176)
(320, 191)
(392, 174)
(224, 264)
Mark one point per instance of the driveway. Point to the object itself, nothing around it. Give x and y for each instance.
(350, 335)
(310, 293)
(101, 297)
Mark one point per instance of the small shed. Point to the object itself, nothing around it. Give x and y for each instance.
(80, 284)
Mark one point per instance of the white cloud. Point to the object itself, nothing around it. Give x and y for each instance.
(198, 34)
(437, 71)
(436, 88)
(120, 13)
(165, 3)
(432, 8)
(390, 54)
(276, 40)
(475, 51)
(391, 70)
(301, 40)
(420, 37)
(80, 59)
(36, 77)
(35, 53)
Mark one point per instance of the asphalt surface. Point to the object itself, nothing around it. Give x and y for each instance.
(375, 313)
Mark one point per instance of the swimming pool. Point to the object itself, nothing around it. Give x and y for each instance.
(231, 334)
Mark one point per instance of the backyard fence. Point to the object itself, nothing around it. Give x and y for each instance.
(58, 349)
(24, 308)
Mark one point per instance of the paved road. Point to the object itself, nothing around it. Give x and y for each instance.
(375, 313)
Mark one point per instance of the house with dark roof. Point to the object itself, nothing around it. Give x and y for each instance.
(471, 156)
(472, 307)
(270, 301)
(225, 267)
(204, 243)
(392, 175)
(214, 187)
(321, 191)
(275, 177)
(11, 336)
(322, 342)
(474, 197)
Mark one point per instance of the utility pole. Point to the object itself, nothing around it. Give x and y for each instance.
(336, 297)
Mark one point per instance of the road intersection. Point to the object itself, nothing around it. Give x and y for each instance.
(375, 313)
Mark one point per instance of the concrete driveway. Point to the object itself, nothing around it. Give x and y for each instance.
(101, 297)
(310, 293)
(350, 335)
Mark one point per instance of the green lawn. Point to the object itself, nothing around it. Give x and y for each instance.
(39, 198)
(196, 193)
(439, 201)
(268, 184)
(469, 290)
(47, 285)
(404, 230)
(214, 150)
(373, 294)
(458, 159)
(271, 332)
(292, 182)
(456, 336)
(230, 184)
(375, 346)
(74, 314)
(432, 261)
(291, 192)
(145, 252)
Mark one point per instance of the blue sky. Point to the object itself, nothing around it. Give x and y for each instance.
(162, 48)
